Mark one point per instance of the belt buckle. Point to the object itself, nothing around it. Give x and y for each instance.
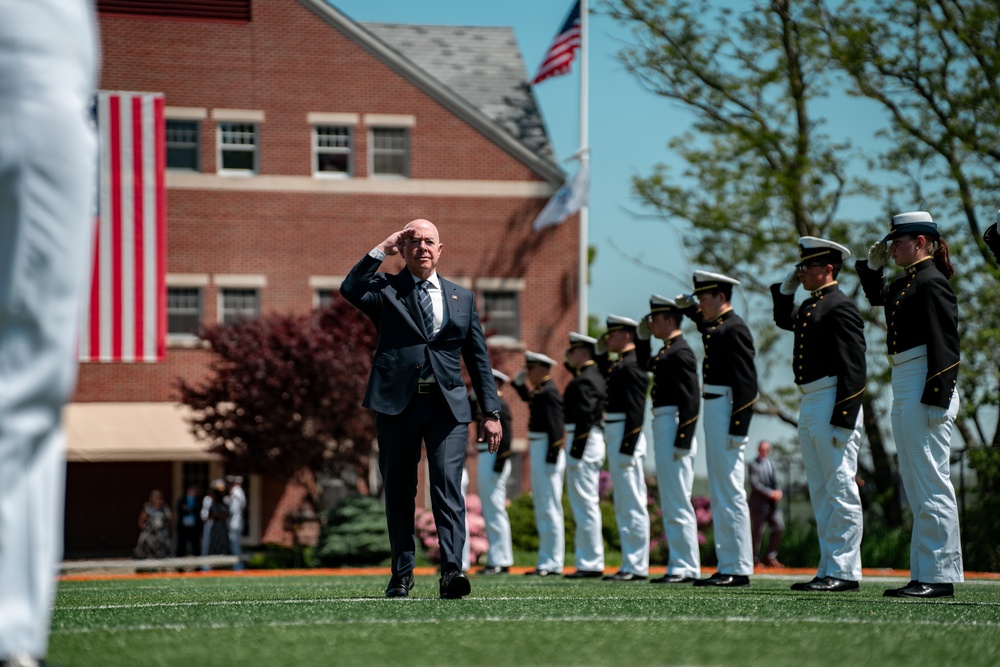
(423, 387)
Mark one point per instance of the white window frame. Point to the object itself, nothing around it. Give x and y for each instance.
(197, 144)
(254, 149)
(222, 302)
(197, 281)
(485, 286)
(405, 151)
(318, 150)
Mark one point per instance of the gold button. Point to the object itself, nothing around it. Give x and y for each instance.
(682, 435)
(737, 423)
(844, 413)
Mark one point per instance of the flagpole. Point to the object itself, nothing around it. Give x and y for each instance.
(584, 159)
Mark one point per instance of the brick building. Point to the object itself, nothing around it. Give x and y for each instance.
(297, 139)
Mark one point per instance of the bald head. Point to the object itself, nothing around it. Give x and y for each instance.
(763, 449)
(421, 247)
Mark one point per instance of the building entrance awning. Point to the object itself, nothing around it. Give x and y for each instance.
(107, 432)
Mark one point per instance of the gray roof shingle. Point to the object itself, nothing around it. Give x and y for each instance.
(480, 63)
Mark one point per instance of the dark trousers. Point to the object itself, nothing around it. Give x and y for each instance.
(426, 419)
(764, 511)
(189, 540)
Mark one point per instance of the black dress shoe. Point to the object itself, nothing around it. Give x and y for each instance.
(625, 576)
(922, 590)
(539, 572)
(454, 584)
(584, 574)
(494, 569)
(672, 579)
(801, 585)
(832, 585)
(725, 580)
(894, 592)
(399, 587)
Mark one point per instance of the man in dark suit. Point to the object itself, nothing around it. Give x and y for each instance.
(426, 326)
(765, 509)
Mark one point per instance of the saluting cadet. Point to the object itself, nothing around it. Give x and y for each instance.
(493, 471)
(828, 359)
(991, 237)
(548, 462)
(730, 389)
(921, 316)
(583, 407)
(625, 405)
(675, 416)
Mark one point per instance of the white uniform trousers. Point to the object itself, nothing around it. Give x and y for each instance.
(546, 490)
(582, 483)
(676, 479)
(47, 181)
(831, 472)
(726, 492)
(629, 483)
(924, 466)
(493, 497)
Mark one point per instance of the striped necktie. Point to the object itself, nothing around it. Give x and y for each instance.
(426, 307)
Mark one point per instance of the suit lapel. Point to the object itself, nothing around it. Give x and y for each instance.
(406, 292)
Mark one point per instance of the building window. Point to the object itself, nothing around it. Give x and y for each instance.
(333, 147)
(325, 297)
(502, 313)
(183, 311)
(238, 147)
(183, 146)
(390, 151)
(239, 303)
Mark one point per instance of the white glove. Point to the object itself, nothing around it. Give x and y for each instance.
(937, 416)
(878, 255)
(644, 332)
(841, 436)
(737, 441)
(601, 347)
(681, 453)
(790, 283)
(520, 378)
(685, 300)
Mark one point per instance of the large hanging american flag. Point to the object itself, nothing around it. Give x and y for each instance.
(563, 49)
(125, 316)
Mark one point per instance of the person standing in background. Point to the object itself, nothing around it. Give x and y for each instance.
(48, 170)
(237, 505)
(765, 507)
(189, 524)
(493, 471)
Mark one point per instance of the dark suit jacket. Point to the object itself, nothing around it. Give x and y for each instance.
(403, 348)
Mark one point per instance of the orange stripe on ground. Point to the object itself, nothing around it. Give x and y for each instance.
(433, 571)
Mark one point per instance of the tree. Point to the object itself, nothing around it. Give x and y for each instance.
(284, 392)
(760, 171)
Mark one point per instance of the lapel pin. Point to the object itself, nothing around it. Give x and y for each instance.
(455, 297)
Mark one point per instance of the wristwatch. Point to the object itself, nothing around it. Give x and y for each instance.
(493, 415)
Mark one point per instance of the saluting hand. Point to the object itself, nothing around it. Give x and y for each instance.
(878, 255)
(490, 432)
(645, 331)
(790, 283)
(685, 300)
(394, 243)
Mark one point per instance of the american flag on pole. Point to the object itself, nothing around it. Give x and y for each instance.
(563, 49)
(124, 318)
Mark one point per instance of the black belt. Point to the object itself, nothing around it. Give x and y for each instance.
(711, 396)
(426, 387)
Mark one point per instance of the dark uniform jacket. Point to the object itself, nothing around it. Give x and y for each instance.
(583, 404)
(920, 309)
(546, 414)
(829, 342)
(729, 355)
(626, 393)
(675, 382)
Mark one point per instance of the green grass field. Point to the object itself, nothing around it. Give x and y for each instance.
(514, 620)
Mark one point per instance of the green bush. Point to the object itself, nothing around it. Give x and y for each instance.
(799, 544)
(277, 557)
(882, 546)
(353, 533)
(982, 527)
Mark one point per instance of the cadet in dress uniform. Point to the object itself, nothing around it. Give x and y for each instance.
(730, 389)
(493, 471)
(548, 461)
(583, 407)
(675, 416)
(921, 315)
(828, 360)
(626, 403)
(991, 237)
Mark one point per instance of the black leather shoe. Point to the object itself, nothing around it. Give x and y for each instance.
(539, 572)
(454, 584)
(494, 569)
(584, 574)
(922, 590)
(894, 592)
(832, 585)
(399, 587)
(801, 585)
(672, 579)
(725, 580)
(625, 576)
